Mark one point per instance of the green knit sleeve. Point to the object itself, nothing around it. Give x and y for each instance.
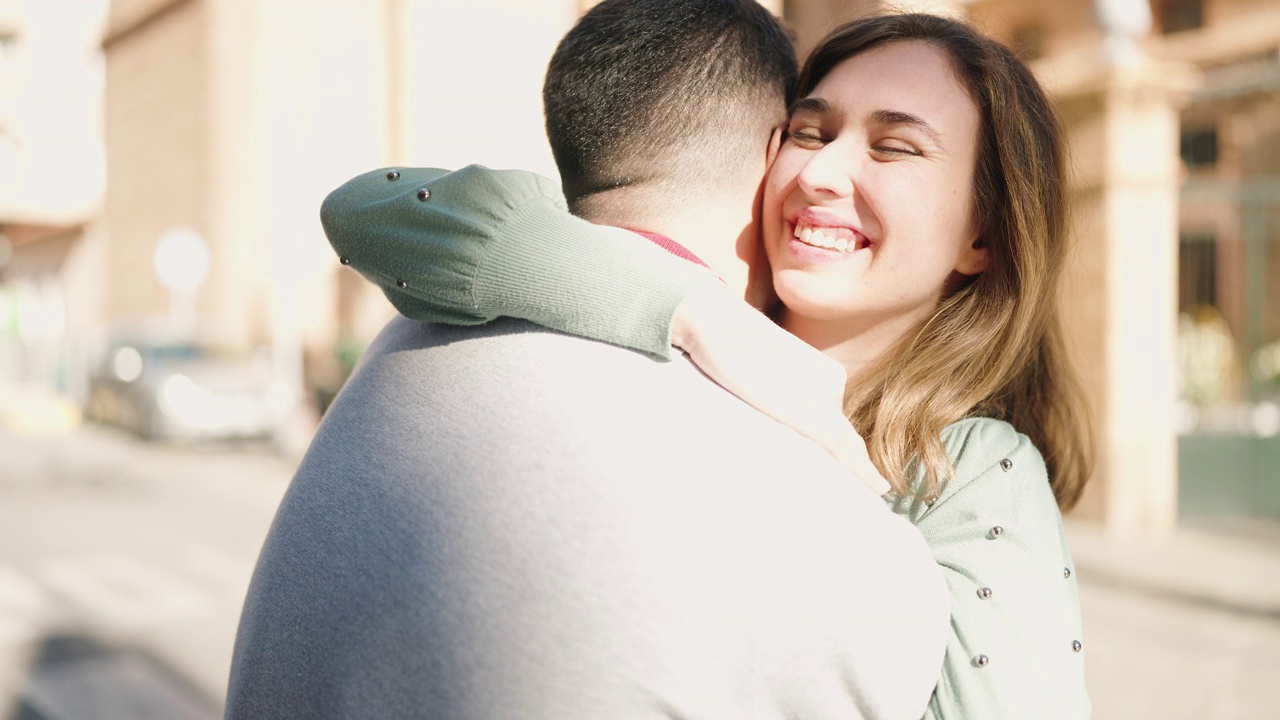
(468, 246)
(1016, 649)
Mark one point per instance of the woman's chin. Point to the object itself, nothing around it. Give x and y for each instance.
(807, 297)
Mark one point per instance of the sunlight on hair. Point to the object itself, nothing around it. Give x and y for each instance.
(945, 8)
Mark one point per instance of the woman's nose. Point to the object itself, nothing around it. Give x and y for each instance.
(828, 173)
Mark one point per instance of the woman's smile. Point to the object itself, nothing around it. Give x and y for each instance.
(821, 236)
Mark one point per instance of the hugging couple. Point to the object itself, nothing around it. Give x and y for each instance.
(596, 483)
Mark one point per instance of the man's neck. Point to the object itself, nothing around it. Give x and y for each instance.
(670, 246)
(723, 240)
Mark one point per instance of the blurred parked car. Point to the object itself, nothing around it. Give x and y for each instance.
(182, 392)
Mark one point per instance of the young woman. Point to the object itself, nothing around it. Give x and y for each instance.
(915, 221)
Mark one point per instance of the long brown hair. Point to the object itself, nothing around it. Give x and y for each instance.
(994, 347)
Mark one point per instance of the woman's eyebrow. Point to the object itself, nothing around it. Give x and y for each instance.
(897, 117)
(811, 105)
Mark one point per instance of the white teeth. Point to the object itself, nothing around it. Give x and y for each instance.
(818, 238)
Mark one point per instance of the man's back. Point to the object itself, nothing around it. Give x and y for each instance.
(502, 522)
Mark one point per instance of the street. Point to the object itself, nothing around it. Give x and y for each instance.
(123, 566)
(122, 570)
(1152, 657)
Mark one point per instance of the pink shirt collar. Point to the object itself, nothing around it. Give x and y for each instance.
(670, 246)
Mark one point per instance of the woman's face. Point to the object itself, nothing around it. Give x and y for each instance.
(867, 210)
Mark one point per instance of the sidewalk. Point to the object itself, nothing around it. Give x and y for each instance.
(1187, 628)
(1233, 566)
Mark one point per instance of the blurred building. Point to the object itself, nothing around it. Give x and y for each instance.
(235, 118)
(1176, 139)
(51, 180)
(229, 120)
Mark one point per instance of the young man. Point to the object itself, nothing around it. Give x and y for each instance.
(506, 522)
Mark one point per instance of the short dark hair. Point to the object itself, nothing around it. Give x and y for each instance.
(637, 83)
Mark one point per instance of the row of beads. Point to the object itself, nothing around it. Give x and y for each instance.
(424, 194)
(985, 593)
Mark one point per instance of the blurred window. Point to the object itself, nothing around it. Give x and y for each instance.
(175, 352)
(1200, 147)
(1197, 271)
(8, 49)
(1180, 15)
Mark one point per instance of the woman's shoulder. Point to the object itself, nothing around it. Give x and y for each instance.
(996, 531)
(998, 472)
(979, 444)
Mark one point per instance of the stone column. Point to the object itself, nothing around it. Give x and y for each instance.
(1120, 108)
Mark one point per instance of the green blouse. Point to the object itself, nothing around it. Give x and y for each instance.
(469, 246)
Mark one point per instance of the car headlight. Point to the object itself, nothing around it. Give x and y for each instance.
(126, 364)
(181, 397)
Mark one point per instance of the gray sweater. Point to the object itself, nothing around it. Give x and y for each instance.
(506, 522)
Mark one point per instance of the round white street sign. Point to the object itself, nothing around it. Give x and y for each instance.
(181, 260)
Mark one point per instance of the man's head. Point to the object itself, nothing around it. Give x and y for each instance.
(656, 108)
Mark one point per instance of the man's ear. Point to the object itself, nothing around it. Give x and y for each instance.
(775, 142)
(974, 259)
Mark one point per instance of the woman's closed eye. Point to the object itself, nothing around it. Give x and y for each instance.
(892, 149)
(806, 137)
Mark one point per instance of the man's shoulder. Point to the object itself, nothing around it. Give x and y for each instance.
(509, 356)
(534, 389)
(499, 343)
(509, 359)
